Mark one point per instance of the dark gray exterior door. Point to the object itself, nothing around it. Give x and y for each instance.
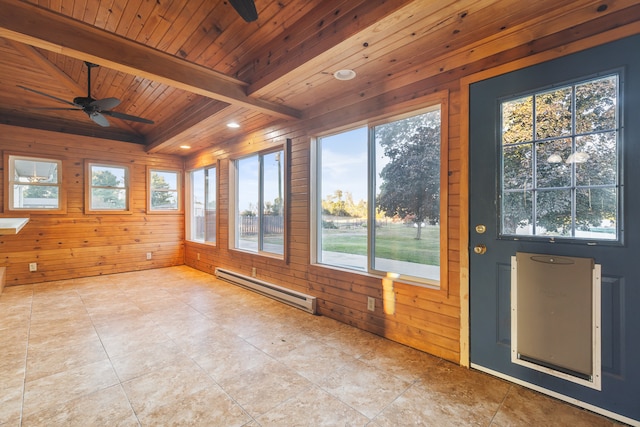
(490, 273)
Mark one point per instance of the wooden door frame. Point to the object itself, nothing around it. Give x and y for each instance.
(465, 84)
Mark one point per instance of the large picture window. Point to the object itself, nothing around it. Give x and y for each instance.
(34, 184)
(560, 162)
(378, 206)
(259, 203)
(108, 188)
(202, 208)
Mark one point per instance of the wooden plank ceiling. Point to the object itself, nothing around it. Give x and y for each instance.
(193, 66)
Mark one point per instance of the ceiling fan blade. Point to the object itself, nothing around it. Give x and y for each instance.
(127, 117)
(99, 119)
(48, 96)
(105, 104)
(246, 9)
(55, 108)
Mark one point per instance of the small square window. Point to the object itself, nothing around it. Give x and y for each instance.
(107, 189)
(163, 191)
(34, 184)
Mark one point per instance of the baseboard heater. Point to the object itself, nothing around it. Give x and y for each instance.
(287, 296)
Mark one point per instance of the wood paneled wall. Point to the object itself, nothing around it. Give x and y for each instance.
(424, 318)
(78, 245)
(75, 244)
(435, 321)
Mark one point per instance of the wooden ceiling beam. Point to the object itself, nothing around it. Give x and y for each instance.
(198, 111)
(314, 35)
(48, 67)
(16, 118)
(35, 26)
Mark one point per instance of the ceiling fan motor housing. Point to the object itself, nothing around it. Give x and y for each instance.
(83, 101)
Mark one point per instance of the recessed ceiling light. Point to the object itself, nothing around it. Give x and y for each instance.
(185, 147)
(344, 74)
(233, 125)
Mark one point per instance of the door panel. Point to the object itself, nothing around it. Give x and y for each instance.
(490, 280)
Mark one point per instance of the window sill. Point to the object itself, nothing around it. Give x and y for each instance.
(426, 284)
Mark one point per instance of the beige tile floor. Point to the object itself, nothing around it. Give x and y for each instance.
(175, 347)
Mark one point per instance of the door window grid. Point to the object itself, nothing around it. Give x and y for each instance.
(560, 162)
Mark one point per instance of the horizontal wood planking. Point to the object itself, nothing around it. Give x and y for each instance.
(425, 318)
(76, 244)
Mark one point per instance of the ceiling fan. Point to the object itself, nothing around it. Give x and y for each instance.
(246, 9)
(95, 109)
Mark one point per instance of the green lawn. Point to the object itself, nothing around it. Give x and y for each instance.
(393, 241)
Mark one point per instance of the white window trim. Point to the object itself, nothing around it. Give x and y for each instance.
(233, 205)
(189, 204)
(88, 187)
(178, 190)
(9, 164)
(437, 100)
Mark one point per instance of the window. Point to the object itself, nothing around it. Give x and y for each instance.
(202, 205)
(164, 191)
(560, 162)
(34, 184)
(378, 198)
(259, 203)
(108, 188)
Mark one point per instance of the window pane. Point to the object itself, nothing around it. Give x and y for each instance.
(35, 197)
(343, 193)
(597, 165)
(517, 213)
(248, 201)
(35, 171)
(196, 179)
(553, 213)
(164, 200)
(596, 105)
(407, 183)
(596, 213)
(210, 203)
(517, 166)
(164, 180)
(517, 120)
(108, 198)
(108, 176)
(272, 206)
(553, 113)
(551, 170)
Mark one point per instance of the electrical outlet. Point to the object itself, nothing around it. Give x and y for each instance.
(254, 272)
(33, 266)
(371, 303)
(148, 255)
(198, 256)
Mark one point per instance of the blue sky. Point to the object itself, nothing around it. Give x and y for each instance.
(344, 164)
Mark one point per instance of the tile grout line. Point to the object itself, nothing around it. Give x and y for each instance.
(120, 384)
(501, 404)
